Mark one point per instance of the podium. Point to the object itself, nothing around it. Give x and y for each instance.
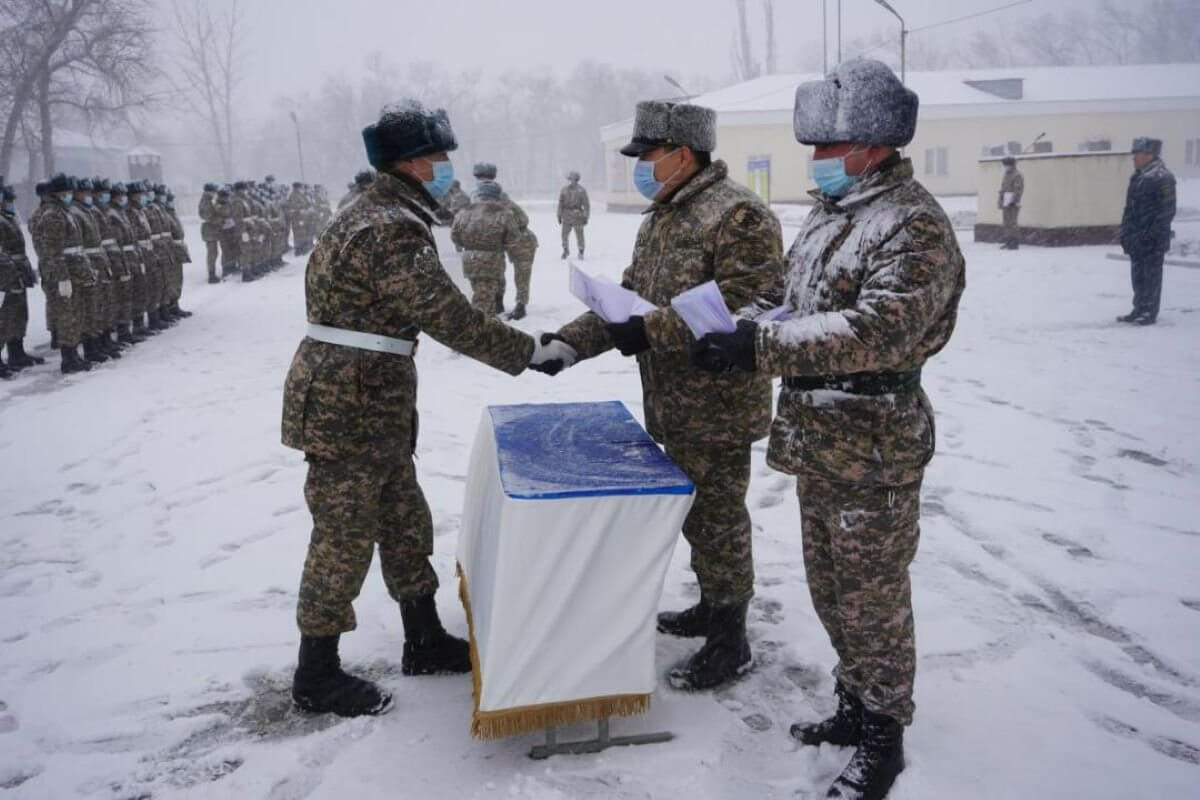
(571, 515)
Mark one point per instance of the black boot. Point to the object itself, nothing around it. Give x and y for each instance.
(724, 656)
(1130, 317)
(428, 649)
(581, 254)
(108, 346)
(71, 362)
(18, 358)
(876, 762)
(179, 312)
(5, 372)
(689, 622)
(518, 311)
(166, 317)
(91, 350)
(844, 728)
(213, 279)
(564, 255)
(320, 686)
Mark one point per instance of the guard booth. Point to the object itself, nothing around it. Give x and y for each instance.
(1070, 198)
(144, 165)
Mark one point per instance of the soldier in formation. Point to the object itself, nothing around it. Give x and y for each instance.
(874, 280)
(573, 212)
(1146, 228)
(373, 284)
(17, 276)
(1012, 186)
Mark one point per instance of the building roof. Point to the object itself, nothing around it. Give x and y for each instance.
(982, 92)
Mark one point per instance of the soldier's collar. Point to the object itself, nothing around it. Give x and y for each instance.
(393, 188)
(706, 177)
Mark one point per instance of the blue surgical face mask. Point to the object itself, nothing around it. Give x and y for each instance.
(144, 201)
(443, 177)
(67, 198)
(830, 176)
(644, 180)
(104, 198)
(10, 208)
(122, 201)
(87, 200)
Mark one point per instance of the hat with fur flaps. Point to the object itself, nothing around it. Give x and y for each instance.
(1145, 144)
(484, 170)
(407, 130)
(861, 102)
(657, 123)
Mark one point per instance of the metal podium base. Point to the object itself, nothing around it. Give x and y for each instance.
(603, 741)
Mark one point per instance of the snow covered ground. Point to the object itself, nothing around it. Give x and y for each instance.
(152, 530)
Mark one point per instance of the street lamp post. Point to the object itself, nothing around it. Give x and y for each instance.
(903, 34)
(299, 148)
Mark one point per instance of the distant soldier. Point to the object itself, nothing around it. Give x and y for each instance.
(115, 233)
(484, 230)
(372, 285)
(210, 229)
(573, 212)
(1146, 227)
(455, 200)
(296, 211)
(1012, 186)
(64, 268)
(121, 219)
(16, 277)
(362, 180)
(231, 230)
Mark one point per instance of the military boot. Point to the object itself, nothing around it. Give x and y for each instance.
(18, 358)
(5, 372)
(565, 254)
(320, 686)
(213, 279)
(154, 325)
(875, 764)
(1130, 317)
(687, 623)
(166, 317)
(518, 311)
(92, 352)
(724, 656)
(581, 254)
(71, 362)
(179, 312)
(108, 346)
(844, 728)
(428, 649)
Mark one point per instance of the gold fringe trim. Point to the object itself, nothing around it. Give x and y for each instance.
(527, 719)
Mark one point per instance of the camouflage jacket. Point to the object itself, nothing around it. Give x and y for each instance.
(487, 225)
(710, 229)
(348, 198)
(523, 247)
(139, 226)
(89, 227)
(59, 245)
(210, 216)
(296, 206)
(12, 249)
(1149, 209)
(873, 282)
(1014, 182)
(114, 233)
(375, 269)
(573, 205)
(455, 200)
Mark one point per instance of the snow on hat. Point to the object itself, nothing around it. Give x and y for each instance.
(572, 175)
(485, 170)
(657, 123)
(860, 101)
(60, 183)
(489, 189)
(1145, 144)
(407, 130)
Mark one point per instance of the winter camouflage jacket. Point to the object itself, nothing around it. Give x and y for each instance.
(573, 206)
(710, 229)
(454, 201)
(59, 245)
(89, 223)
(376, 270)
(210, 226)
(1014, 182)
(12, 250)
(487, 225)
(873, 282)
(1149, 209)
(115, 234)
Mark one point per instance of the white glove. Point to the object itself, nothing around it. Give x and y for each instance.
(245, 237)
(551, 355)
(228, 223)
(64, 288)
(1008, 199)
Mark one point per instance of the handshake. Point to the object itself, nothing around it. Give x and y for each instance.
(551, 353)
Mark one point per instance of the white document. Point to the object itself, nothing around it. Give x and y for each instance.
(776, 314)
(1008, 199)
(613, 302)
(703, 309)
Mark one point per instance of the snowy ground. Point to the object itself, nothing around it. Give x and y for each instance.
(152, 530)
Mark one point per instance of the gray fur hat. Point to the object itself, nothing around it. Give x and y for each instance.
(407, 130)
(860, 101)
(485, 170)
(573, 175)
(1145, 144)
(657, 123)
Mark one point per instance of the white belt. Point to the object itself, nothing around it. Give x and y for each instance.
(93, 251)
(107, 242)
(72, 251)
(363, 341)
(125, 278)
(145, 243)
(129, 248)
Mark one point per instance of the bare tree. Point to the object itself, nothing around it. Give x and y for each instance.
(744, 66)
(211, 65)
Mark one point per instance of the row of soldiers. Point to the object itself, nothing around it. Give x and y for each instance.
(111, 259)
(247, 225)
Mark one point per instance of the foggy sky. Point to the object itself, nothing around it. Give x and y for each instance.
(294, 44)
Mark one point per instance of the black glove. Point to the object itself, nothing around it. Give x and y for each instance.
(727, 352)
(551, 359)
(629, 337)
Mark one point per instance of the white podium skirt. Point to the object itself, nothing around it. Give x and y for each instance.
(561, 596)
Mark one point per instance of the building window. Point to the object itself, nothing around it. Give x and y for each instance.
(937, 160)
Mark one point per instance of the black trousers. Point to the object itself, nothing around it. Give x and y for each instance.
(1145, 272)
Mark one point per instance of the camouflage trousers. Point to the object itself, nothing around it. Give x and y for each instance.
(522, 275)
(174, 282)
(485, 270)
(14, 316)
(154, 284)
(231, 247)
(718, 524)
(357, 503)
(137, 287)
(211, 251)
(567, 227)
(1010, 214)
(66, 316)
(858, 543)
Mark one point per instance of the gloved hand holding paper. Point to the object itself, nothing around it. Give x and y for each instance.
(614, 303)
(703, 309)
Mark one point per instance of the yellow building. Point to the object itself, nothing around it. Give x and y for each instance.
(964, 116)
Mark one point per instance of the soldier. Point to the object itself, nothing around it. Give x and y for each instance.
(123, 222)
(455, 200)
(296, 210)
(243, 215)
(141, 218)
(486, 171)
(483, 230)
(1012, 186)
(231, 233)
(361, 181)
(64, 268)
(373, 283)
(115, 237)
(179, 253)
(874, 280)
(16, 277)
(98, 347)
(1146, 227)
(573, 212)
(701, 226)
(210, 229)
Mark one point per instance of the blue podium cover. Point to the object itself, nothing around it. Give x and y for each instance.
(559, 450)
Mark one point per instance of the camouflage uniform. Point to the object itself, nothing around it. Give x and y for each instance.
(230, 208)
(573, 212)
(455, 200)
(115, 234)
(521, 251)
(1013, 181)
(179, 255)
(97, 297)
(59, 246)
(145, 296)
(1146, 233)
(353, 411)
(297, 219)
(483, 230)
(16, 276)
(874, 283)
(709, 229)
(210, 230)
